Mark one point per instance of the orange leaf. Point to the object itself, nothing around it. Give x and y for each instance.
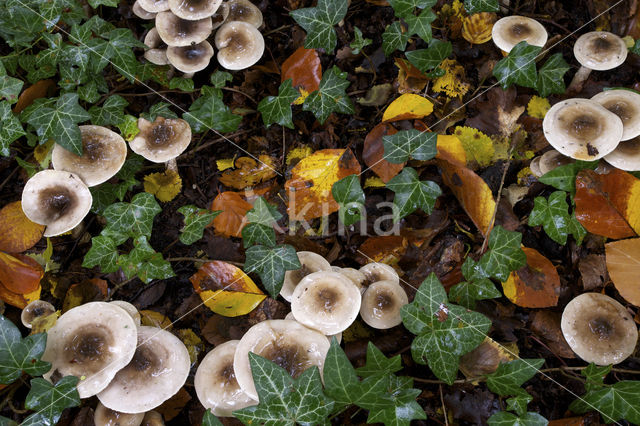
(311, 181)
(303, 67)
(18, 300)
(249, 172)
(37, 90)
(623, 264)
(20, 274)
(386, 249)
(232, 219)
(603, 203)
(408, 107)
(373, 152)
(536, 285)
(17, 232)
(226, 289)
(472, 192)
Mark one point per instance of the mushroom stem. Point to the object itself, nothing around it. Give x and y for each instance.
(578, 80)
(171, 165)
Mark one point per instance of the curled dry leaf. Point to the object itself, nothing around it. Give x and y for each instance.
(373, 152)
(232, 219)
(623, 264)
(39, 89)
(304, 69)
(408, 107)
(410, 78)
(19, 273)
(249, 172)
(536, 285)
(16, 299)
(17, 232)
(226, 289)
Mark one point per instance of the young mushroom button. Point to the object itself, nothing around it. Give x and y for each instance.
(626, 105)
(162, 140)
(175, 31)
(597, 50)
(35, 309)
(511, 30)
(239, 45)
(193, 10)
(381, 304)
(310, 262)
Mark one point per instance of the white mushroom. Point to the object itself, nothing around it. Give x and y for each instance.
(129, 308)
(381, 304)
(192, 58)
(153, 6)
(244, 10)
(597, 50)
(511, 30)
(193, 10)
(338, 336)
(626, 156)
(157, 52)
(356, 277)
(141, 13)
(377, 271)
(35, 309)
(104, 416)
(552, 159)
(162, 140)
(310, 262)
(239, 45)
(626, 105)
(175, 31)
(220, 16)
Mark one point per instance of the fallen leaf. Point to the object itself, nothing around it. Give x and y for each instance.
(232, 219)
(623, 264)
(42, 324)
(165, 185)
(226, 289)
(593, 270)
(39, 89)
(536, 285)
(452, 82)
(410, 78)
(78, 294)
(570, 421)
(309, 188)
(373, 182)
(450, 148)
(373, 152)
(225, 163)
(304, 69)
(249, 172)
(476, 29)
(538, 107)
(20, 274)
(155, 319)
(174, 405)
(546, 324)
(408, 107)
(480, 149)
(18, 300)
(191, 341)
(17, 232)
(385, 249)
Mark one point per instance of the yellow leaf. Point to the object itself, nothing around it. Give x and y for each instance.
(298, 154)
(192, 342)
(249, 172)
(154, 319)
(450, 148)
(302, 97)
(165, 186)
(538, 107)
(44, 323)
(536, 285)
(374, 182)
(42, 153)
(478, 146)
(225, 163)
(476, 29)
(17, 232)
(407, 107)
(451, 83)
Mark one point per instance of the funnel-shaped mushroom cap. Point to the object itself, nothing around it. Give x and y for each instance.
(57, 199)
(193, 10)
(376, 271)
(103, 154)
(599, 329)
(130, 309)
(157, 49)
(338, 336)
(35, 309)
(381, 304)
(552, 159)
(154, 6)
(175, 31)
(582, 129)
(192, 58)
(162, 140)
(289, 344)
(311, 262)
(92, 342)
(104, 416)
(600, 50)
(216, 384)
(626, 156)
(626, 105)
(245, 11)
(157, 371)
(511, 30)
(141, 13)
(239, 45)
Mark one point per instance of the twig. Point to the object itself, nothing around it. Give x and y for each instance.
(444, 408)
(197, 259)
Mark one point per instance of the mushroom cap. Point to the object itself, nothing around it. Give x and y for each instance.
(356, 277)
(600, 50)
(582, 129)
(104, 416)
(103, 154)
(289, 344)
(156, 372)
(192, 58)
(157, 52)
(338, 336)
(377, 271)
(511, 30)
(239, 45)
(193, 10)
(245, 11)
(162, 140)
(35, 309)
(175, 31)
(152, 39)
(216, 384)
(57, 199)
(626, 105)
(153, 6)
(129, 308)
(381, 304)
(552, 159)
(220, 16)
(153, 418)
(626, 156)
(326, 301)
(310, 262)
(91, 341)
(599, 329)
(534, 166)
(140, 12)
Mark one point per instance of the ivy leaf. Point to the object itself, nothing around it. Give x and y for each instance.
(10, 128)
(120, 51)
(270, 264)
(595, 375)
(209, 112)
(219, 79)
(144, 262)
(331, 96)
(421, 24)
(427, 59)
(467, 292)
(277, 109)
(395, 37)
(18, 355)
(404, 8)
(576, 229)
(358, 42)
(377, 363)
(519, 67)
(397, 406)
(550, 76)
(60, 122)
(131, 219)
(10, 88)
(505, 254)
(502, 418)
(110, 3)
(412, 193)
(553, 215)
(50, 400)
(509, 376)
(476, 6)
(103, 253)
(263, 213)
(111, 113)
(350, 197)
(318, 22)
(340, 380)
(518, 404)
(617, 402)
(409, 143)
(195, 220)
(564, 177)
(257, 233)
(181, 83)
(209, 419)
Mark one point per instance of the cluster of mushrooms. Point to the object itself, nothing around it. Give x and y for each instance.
(182, 27)
(60, 198)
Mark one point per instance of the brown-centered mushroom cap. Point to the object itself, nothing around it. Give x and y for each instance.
(154, 6)
(356, 277)
(192, 58)
(326, 301)
(582, 129)
(626, 105)
(311, 262)
(239, 45)
(92, 342)
(381, 304)
(193, 10)
(377, 271)
(57, 199)
(175, 31)
(626, 156)
(156, 372)
(104, 416)
(103, 154)
(600, 50)
(599, 329)
(552, 159)
(140, 12)
(245, 11)
(157, 49)
(162, 140)
(511, 30)
(35, 309)
(289, 344)
(216, 384)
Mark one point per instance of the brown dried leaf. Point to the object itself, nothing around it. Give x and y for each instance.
(623, 263)
(17, 232)
(546, 324)
(232, 219)
(536, 285)
(593, 270)
(373, 152)
(249, 172)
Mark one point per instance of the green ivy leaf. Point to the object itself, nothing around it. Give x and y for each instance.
(395, 37)
(263, 213)
(10, 88)
(564, 177)
(219, 79)
(270, 264)
(277, 109)
(209, 112)
(144, 262)
(318, 22)
(576, 229)
(595, 375)
(404, 8)
(505, 254)
(397, 406)
(412, 193)
(519, 67)
(509, 376)
(103, 253)
(132, 219)
(120, 51)
(110, 3)
(18, 355)
(111, 113)
(409, 143)
(209, 419)
(518, 404)
(553, 215)
(128, 127)
(50, 400)
(377, 363)
(428, 59)
(502, 418)
(476, 6)
(550, 76)
(257, 233)
(358, 42)
(331, 95)
(617, 402)
(340, 380)
(181, 83)
(467, 292)
(10, 128)
(195, 220)
(421, 24)
(349, 195)
(160, 109)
